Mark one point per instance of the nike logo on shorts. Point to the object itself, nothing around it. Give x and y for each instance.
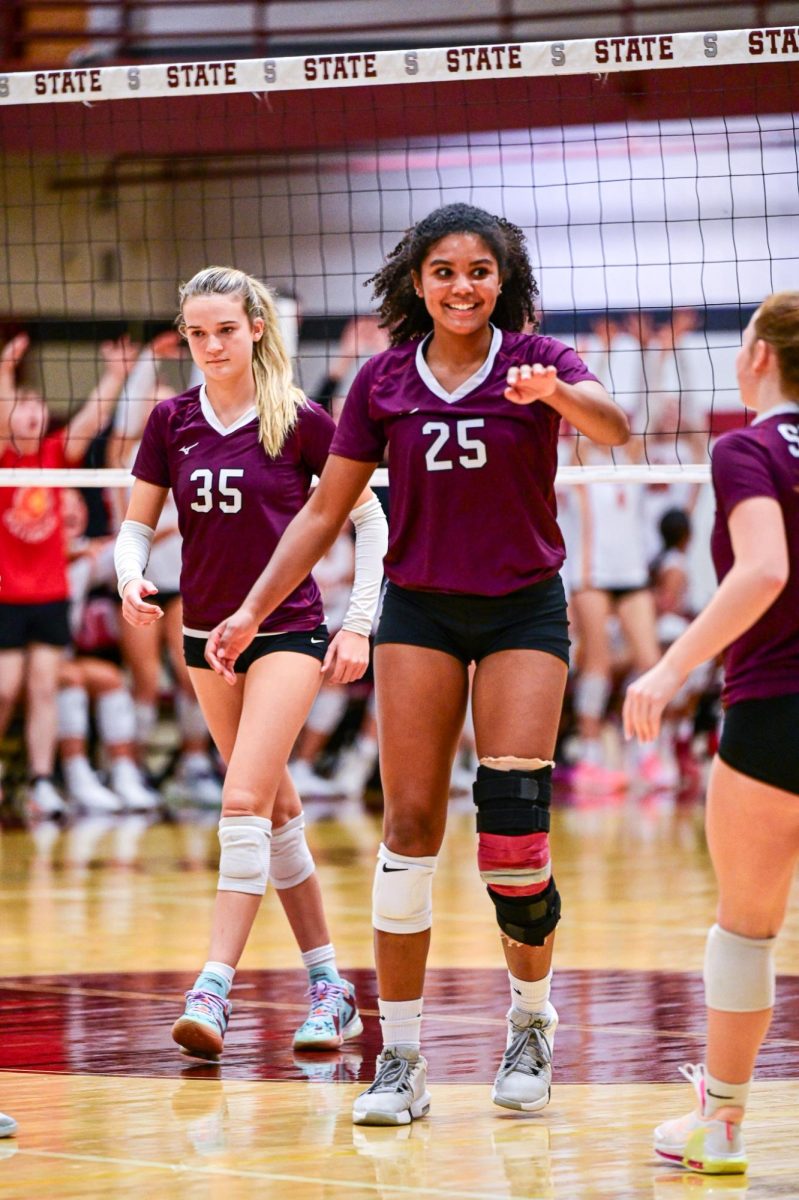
(389, 870)
(317, 641)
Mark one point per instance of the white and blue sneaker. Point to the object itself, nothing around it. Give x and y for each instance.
(200, 1032)
(8, 1126)
(333, 1017)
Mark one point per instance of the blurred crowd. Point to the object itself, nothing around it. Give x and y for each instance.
(106, 720)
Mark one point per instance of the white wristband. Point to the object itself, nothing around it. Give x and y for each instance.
(371, 543)
(131, 552)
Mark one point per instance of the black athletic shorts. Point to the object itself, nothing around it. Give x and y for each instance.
(760, 738)
(22, 625)
(307, 641)
(472, 627)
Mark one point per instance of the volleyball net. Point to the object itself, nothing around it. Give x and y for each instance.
(655, 176)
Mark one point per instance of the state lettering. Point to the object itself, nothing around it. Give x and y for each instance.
(774, 41)
(77, 82)
(201, 75)
(340, 66)
(647, 48)
(484, 58)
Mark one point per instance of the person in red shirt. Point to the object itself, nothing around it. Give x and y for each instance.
(33, 578)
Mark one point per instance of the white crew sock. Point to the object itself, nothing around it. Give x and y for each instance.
(401, 1022)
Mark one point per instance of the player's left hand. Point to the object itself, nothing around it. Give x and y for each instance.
(230, 639)
(529, 383)
(347, 657)
(646, 700)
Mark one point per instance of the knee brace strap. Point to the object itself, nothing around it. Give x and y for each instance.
(528, 919)
(244, 857)
(513, 850)
(739, 972)
(291, 861)
(512, 802)
(402, 897)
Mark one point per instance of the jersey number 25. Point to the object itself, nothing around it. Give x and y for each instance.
(442, 430)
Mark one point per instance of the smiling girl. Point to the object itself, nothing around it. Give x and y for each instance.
(468, 407)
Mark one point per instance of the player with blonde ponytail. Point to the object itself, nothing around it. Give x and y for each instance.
(239, 452)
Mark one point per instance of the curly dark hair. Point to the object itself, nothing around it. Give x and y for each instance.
(404, 314)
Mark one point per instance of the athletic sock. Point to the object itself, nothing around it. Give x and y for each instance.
(527, 996)
(215, 977)
(401, 1022)
(320, 963)
(723, 1095)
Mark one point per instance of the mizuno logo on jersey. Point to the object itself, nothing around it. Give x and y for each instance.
(186, 449)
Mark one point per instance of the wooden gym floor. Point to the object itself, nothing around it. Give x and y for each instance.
(104, 924)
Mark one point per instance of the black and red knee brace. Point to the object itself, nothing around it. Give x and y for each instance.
(513, 851)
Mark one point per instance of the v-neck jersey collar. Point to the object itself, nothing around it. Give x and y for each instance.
(213, 420)
(469, 385)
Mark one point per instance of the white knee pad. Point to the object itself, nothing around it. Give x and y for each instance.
(292, 862)
(73, 713)
(116, 718)
(327, 710)
(244, 856)
(591, 694)
(191, 721)
(146, 719)
(739, 972)
(402, 896)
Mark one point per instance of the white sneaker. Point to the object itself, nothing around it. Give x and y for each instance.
(8, 1126)
(84, 788)
(198, 782)
(129, 785)
(308, 783)
(524, 1079)
(355, 768)
(44, 800)
(703, 1144)
(399, 1093)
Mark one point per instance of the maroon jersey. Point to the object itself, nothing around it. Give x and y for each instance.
(233, 502)
(762, 460)
(471, 475)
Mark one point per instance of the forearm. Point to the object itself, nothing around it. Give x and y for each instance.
(743, 597)
(591, 411)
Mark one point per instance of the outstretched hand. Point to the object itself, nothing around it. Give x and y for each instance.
(119, 356)
(14, 351)
(529, 383)
(227, 641)
(347, 657)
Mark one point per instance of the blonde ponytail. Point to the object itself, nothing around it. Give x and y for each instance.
(777, 322)
(277, 398)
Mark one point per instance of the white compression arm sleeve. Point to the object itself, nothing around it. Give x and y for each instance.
(371, 543)
(131, 552)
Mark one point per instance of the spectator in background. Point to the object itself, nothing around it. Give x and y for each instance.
(34, 592)
(87, 678)
(361, 338)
